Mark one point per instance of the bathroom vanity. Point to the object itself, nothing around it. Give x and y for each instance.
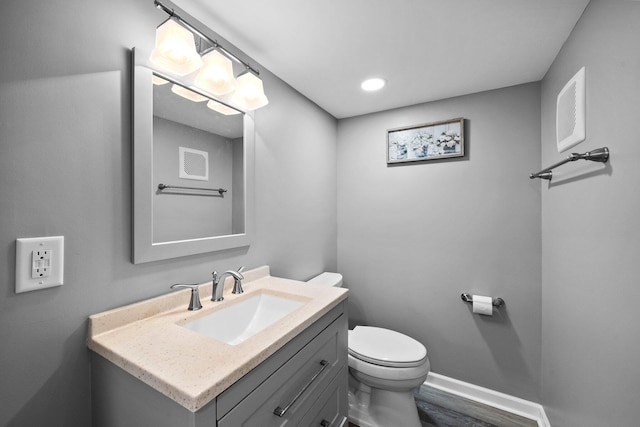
(149, 369)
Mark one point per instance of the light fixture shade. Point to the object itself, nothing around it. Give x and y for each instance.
(216, 74)
(158, 81)
(249, 94)
(186, 93)
(175, 49)
(221, 108)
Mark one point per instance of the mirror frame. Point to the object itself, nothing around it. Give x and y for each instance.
(144, 249)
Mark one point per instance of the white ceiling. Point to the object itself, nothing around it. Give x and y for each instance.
(425, 49)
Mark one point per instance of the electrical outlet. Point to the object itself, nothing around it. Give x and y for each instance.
(39, 263)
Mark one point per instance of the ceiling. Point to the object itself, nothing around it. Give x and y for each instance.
(425, 49)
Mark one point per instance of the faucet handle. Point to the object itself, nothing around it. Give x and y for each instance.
(237, 284)
(239, 271)
(194, 303)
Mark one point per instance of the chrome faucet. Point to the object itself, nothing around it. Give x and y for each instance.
(218, 283)
(194, 303)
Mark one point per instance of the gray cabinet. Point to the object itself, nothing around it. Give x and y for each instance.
(303, 384)
(330, 409)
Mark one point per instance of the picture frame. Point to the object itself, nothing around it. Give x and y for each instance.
(430, 141)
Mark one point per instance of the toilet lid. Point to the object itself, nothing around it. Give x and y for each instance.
(385, 347)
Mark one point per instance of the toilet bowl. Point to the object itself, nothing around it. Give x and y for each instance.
(385, 367)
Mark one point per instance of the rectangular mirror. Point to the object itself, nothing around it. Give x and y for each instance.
(192, 169)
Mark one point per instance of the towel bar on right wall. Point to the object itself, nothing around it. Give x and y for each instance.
(598, 155)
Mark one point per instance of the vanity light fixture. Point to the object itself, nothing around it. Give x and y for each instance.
(373, 84)
(216, 70)
(250, 93)
(216, 74)
(175, 49)
(186, 93)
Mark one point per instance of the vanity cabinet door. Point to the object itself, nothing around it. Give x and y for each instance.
(294, 388)
(331, 408)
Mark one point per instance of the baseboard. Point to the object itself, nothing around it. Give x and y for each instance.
(515, 405)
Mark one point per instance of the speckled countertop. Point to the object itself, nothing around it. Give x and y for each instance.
(146, 339)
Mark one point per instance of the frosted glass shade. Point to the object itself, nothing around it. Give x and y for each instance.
(249, 93)
(221, 108)
(158, 81)
(216, 74)
(175, 49)
(189, 94)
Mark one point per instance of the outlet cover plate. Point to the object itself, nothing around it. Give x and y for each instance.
(25, 248)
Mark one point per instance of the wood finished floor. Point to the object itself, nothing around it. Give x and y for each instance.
(432, 415)
(436, 416)
(439, 409)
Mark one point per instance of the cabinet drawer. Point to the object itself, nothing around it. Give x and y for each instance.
(228, 400)
(331, 409)
(296, 385)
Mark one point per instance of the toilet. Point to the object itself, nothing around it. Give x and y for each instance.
(385, 367)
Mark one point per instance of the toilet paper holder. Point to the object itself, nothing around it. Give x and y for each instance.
(497, 302)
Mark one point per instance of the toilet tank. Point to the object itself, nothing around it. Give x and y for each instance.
(327, 279)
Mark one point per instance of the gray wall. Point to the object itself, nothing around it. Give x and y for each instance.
(412, 237)
(237, 179)
(591, 238)
(65, 170)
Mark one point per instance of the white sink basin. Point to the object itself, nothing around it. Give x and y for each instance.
(239, 321)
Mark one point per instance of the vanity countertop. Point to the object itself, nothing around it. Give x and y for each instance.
(146, 339)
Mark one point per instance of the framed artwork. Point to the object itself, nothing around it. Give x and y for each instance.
(431, 141)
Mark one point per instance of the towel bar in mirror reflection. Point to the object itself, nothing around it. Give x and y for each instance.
(220, 191)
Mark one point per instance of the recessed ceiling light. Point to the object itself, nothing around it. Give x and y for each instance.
(373, 84)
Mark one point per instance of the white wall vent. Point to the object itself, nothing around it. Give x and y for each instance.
(571, 112)
(194, 164)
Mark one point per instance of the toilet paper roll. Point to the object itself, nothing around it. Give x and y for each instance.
(483, 305)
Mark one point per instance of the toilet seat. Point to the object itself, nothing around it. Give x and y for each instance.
(384, 347)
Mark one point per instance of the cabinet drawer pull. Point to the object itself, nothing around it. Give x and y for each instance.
(279, 411)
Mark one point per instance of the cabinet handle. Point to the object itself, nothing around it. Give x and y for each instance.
(325, 423)
(279, 411)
